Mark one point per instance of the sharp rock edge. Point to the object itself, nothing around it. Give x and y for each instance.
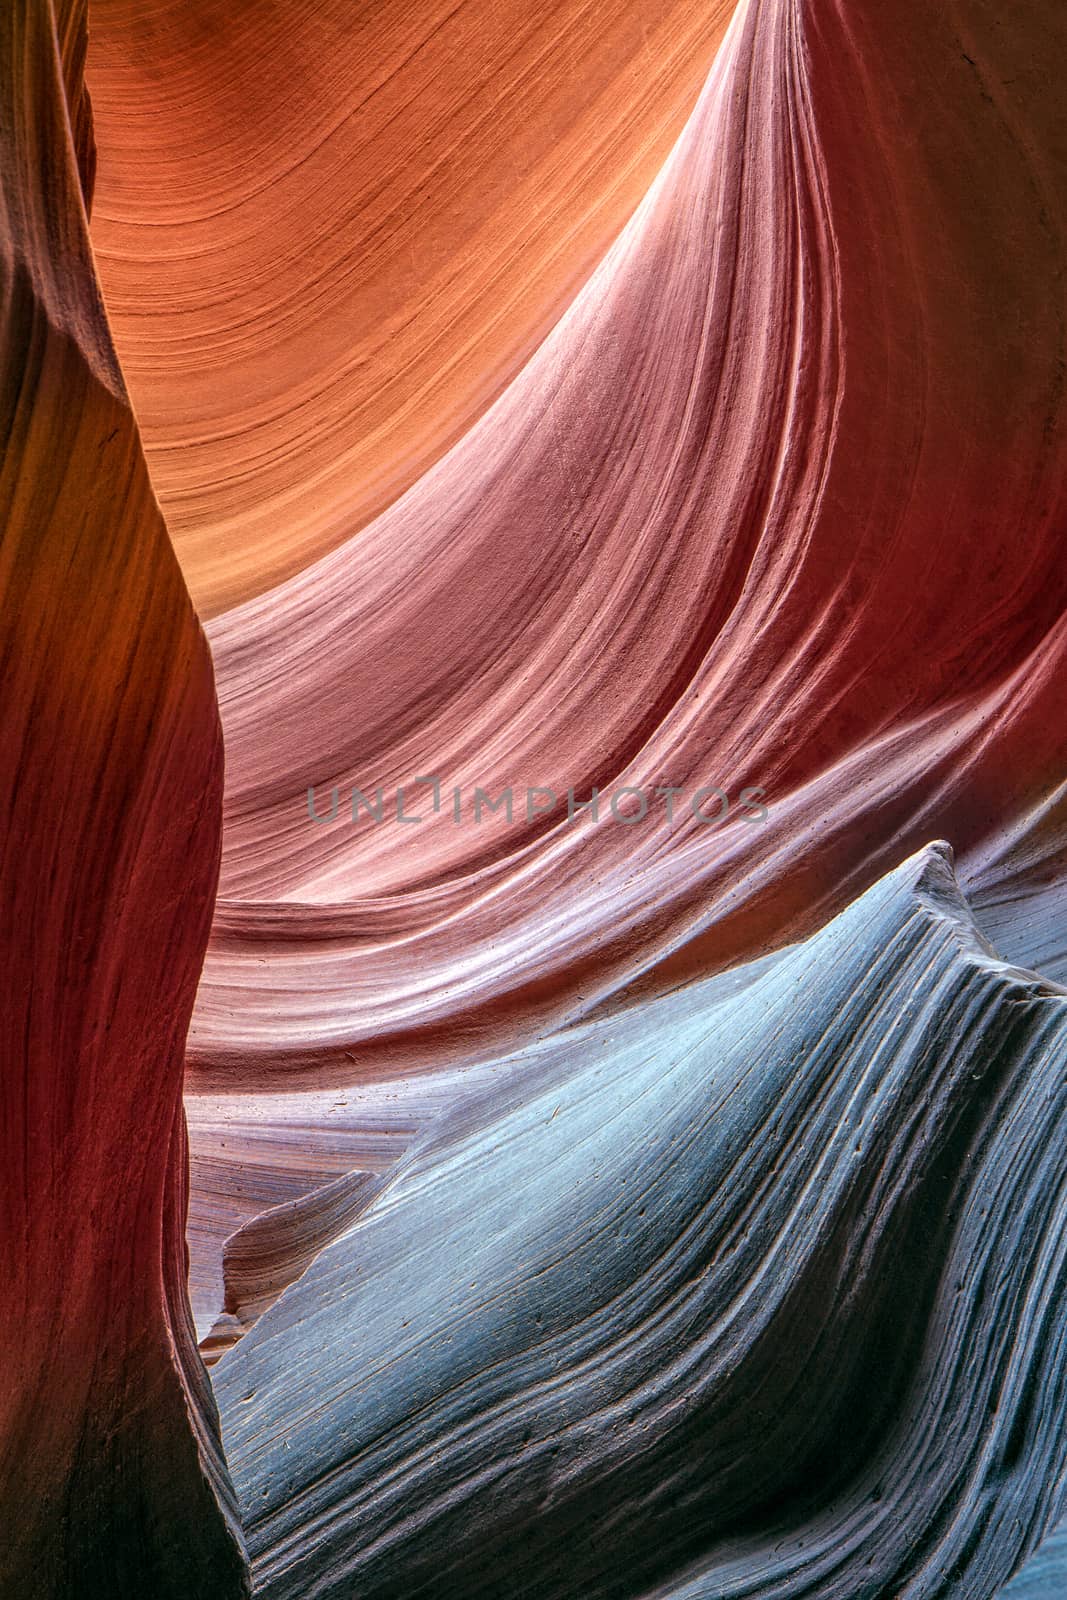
(762, 1293)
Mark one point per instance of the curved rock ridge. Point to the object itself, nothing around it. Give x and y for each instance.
(760, 1292)
(262, 1146)
(260, 1154)
(275, 1247)
(112, 1481)
(777, 504)
(1016, 885)
(330, 233)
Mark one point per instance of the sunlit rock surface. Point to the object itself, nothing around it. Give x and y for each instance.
(778, 503)
(330, 233)
(642, 1207)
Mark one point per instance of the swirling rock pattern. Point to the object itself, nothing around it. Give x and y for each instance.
(615, 1206)
(112, 1480)
(763, 1295)
(329, 233)
(779, 502)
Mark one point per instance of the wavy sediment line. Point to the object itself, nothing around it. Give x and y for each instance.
(112, 1478)
(330, 234)
(1016, 887)
(762, 1294)
(778, 502)
(579, 1210)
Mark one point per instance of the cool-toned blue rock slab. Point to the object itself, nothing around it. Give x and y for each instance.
(756, 1290)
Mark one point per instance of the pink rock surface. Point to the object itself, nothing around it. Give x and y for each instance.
(778, 503)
